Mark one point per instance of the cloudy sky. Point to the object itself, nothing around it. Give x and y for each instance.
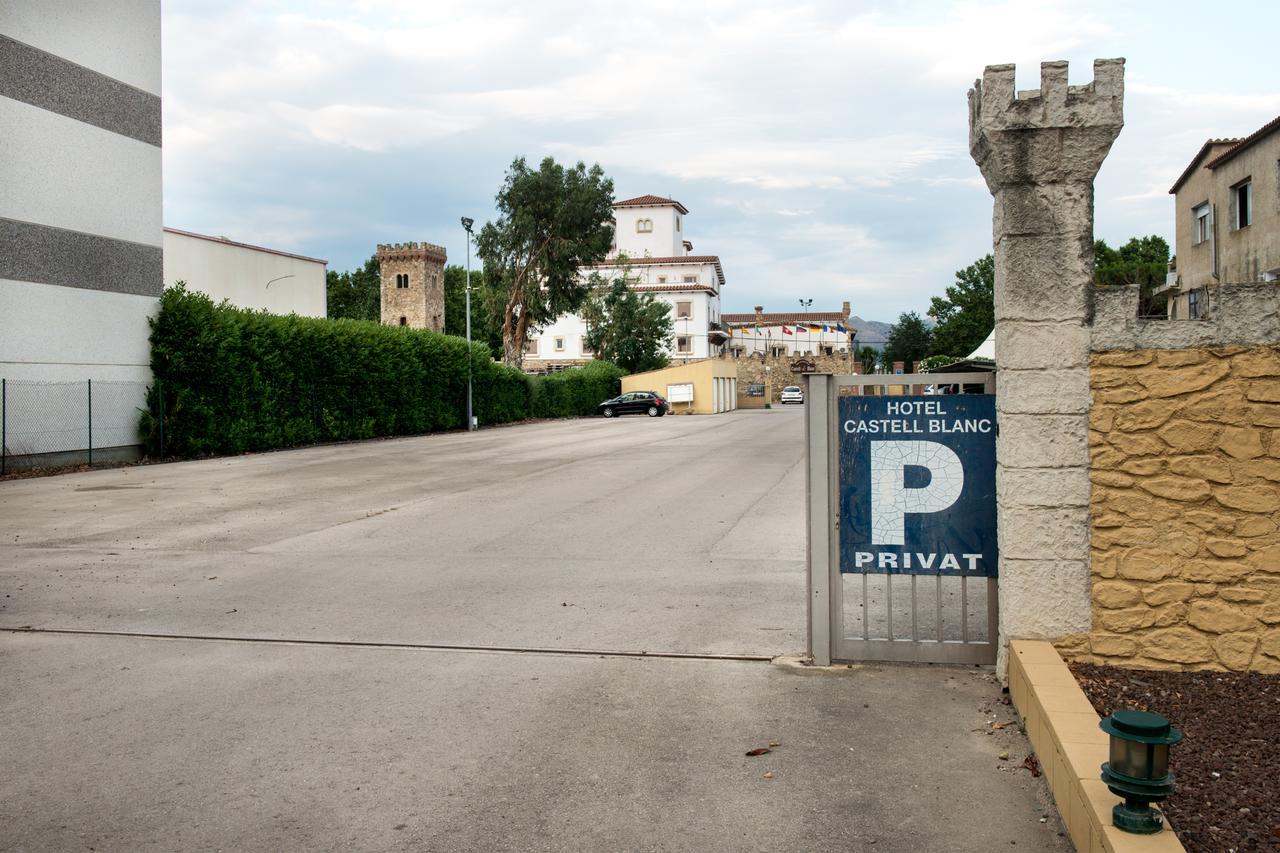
(821, 148)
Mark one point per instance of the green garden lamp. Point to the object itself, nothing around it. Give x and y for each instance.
(1139, 768)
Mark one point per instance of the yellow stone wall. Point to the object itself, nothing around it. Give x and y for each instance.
(1184, 452)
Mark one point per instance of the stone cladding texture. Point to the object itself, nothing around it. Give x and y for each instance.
(422, 302)
(1184, 448)
(751, 370)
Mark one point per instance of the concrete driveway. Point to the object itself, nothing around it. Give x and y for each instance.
(148, 711)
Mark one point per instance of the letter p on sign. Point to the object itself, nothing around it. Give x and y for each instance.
(891, 500)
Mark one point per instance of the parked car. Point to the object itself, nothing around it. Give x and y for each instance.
(793, 394)
(634, 403)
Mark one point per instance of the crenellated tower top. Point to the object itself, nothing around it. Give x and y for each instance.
(412, 250)
(1077, 123)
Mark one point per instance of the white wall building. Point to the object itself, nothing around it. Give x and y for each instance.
(80, 221)
(790, 333)
(248, 276)
(649, 240)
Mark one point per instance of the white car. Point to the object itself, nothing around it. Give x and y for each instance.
(792, 394)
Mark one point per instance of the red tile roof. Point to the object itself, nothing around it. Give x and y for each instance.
(1264, 131)
(1195, 161)
(678, 259)
(785, 317)
(676, 287)
(650, 201)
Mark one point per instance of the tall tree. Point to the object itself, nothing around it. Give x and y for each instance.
(908, 340)
(1143, 261)
(967, 313)
(483, 328)
(630, 329)
(552, 221)
(355, 295)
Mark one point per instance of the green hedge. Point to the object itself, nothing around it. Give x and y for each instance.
(233, 381)
(570, 393)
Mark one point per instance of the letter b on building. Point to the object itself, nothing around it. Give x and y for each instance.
(892, 499)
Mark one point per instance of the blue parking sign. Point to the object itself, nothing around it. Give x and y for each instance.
(917, 486)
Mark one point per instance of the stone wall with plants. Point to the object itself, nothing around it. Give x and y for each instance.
(1184, 449)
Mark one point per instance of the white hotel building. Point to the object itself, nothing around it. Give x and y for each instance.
(649, 231)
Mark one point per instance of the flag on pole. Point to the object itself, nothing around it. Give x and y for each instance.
(840, 327)
(786, 330)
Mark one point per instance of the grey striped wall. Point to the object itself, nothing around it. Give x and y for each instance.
(81, 205)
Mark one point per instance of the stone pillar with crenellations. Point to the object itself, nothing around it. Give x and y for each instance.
(412, 285)
(1039, 152)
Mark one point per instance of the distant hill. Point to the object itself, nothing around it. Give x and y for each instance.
(871, 333)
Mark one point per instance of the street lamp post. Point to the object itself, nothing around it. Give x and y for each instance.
(466, 226)
(805, 303)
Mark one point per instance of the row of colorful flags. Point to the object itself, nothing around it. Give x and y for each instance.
(795, 329)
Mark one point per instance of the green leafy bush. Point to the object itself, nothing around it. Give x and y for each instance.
(236, 380)
(571, 393)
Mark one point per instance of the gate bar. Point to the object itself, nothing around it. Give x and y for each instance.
(818, 414)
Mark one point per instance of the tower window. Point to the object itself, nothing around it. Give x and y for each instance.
(644, 226)
(402, 280)
(404, 321)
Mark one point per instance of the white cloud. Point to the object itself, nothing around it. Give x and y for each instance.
(821, 145)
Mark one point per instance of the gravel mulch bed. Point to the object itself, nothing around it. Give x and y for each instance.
(1228, 764)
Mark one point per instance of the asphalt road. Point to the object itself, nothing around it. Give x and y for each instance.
(676, 535)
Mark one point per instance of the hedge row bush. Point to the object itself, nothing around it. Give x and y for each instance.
(232, 380)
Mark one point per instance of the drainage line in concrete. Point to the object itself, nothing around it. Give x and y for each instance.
(439, 647)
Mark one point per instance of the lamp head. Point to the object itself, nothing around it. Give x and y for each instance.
(467, 222)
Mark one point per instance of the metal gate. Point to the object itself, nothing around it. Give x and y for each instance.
(885, 582)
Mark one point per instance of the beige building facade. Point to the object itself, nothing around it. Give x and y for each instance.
(707, 387)
(412, 285)
(1227, 219)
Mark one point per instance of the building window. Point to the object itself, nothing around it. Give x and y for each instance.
(691, 279)
(402, 280)
(662, 279)
(677, 224)
(1193, 304)
(684, 343)
(586, 347)
(1242, 202)
(644, 226)
(1200, 230)
(531, 346)
(404, 321)
(433, 281)
(559, 344)
(684, 310)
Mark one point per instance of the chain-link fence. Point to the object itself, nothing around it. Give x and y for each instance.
(49, 423)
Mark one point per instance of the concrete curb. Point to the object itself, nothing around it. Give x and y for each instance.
(1063, 729)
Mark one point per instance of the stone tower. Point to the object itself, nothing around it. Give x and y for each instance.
(412, 285)
(1039, 152)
